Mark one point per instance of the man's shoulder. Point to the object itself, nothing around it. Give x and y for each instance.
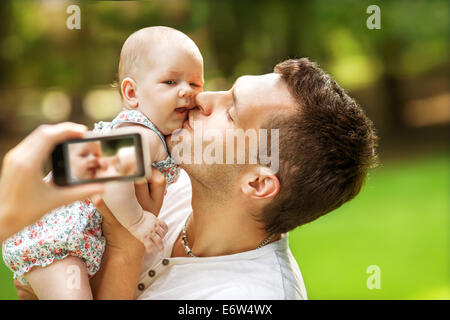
(258, 284)
(245, 289)
(266, 273)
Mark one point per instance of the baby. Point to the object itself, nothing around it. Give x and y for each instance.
(84, 160)
(87, 163)
(160, 74)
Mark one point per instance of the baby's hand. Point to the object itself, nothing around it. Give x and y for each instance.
(150, 231)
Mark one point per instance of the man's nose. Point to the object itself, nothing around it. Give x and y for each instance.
(206, 101)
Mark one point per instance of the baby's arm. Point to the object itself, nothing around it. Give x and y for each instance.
(62, 280)
(121, 200)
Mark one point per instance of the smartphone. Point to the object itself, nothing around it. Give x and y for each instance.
(99, 158)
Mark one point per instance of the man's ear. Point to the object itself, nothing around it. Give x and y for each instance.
(128, 89)
(261, 184)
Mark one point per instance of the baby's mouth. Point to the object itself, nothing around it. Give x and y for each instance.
(181, 111)
(92, 171)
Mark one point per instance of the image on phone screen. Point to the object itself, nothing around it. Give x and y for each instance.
(100, 159)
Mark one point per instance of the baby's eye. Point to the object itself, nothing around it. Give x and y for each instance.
(194, 85)
(169, 82)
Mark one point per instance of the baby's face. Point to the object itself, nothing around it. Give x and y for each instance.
(168, 89)
(84, 159)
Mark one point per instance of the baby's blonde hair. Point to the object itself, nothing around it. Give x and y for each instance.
(135, 49)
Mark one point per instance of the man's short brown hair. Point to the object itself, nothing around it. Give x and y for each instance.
(325, 149)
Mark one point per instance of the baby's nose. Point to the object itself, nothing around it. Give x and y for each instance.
(93, 159)
(186, 91)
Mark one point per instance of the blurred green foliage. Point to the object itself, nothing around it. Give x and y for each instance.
(236, 37)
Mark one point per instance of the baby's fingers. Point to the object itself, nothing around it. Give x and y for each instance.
(157, 241)
(148, 246)
(160, 232)
(163, 226)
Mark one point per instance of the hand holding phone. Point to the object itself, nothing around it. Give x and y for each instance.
(24, 195)
(99, 158)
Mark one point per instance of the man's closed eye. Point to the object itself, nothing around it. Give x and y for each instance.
(229, 116)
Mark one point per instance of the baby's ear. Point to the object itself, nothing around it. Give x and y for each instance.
(129, 93)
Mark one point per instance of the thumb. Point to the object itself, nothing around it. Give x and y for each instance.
(71, 194)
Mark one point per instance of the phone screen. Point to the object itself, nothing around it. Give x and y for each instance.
(99, 159)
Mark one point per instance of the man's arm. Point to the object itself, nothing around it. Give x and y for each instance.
(122, 260)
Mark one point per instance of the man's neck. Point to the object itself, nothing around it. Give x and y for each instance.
(219, 227)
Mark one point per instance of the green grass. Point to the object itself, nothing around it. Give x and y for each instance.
(398, 222)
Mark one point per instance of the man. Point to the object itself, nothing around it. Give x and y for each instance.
(233, 244)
